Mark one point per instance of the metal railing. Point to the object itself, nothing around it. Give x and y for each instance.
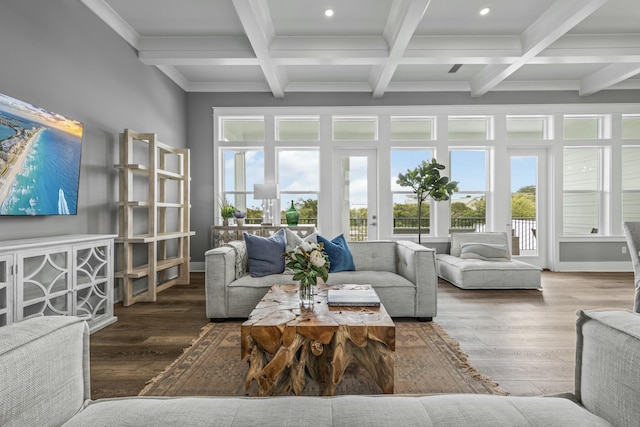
(523, 228)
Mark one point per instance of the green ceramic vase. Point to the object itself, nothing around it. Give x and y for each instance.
(292, 215)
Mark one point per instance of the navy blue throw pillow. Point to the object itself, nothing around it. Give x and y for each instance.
(265, 254)
(339, 254)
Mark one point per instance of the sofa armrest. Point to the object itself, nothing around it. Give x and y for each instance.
(44, 370)
(608, 365)
(219, 270)
(418, 265)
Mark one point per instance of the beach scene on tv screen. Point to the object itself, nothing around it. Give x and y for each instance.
(39, 160)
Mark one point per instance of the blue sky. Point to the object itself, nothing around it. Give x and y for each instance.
(468, 169)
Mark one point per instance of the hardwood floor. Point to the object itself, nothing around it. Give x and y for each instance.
(523, 339)
(146, 338)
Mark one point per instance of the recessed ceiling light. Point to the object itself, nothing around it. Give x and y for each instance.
(328, 13)
(485, 11)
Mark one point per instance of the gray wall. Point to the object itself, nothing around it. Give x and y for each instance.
(58, 55)
(200, 128)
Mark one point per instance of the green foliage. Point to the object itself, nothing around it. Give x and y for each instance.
(529, 189)
(523, 205)
(226, 208)
(426, 181)
(300, 261)
(474, 209)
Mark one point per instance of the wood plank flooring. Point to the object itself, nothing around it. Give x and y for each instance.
(523, 339)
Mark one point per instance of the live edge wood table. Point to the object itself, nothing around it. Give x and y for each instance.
(281, 341)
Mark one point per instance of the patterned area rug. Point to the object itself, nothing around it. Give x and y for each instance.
(427, 361)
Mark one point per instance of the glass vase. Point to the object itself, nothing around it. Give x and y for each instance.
(292, 215)
(306, 295)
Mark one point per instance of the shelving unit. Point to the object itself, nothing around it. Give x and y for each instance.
(59, 275)
(154, 236)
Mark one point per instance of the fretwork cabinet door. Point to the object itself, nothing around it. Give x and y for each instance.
(6, 290)
(44, 284)
(92, 282)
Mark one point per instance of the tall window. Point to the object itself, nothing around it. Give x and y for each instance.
(299, 179)
(582, 190)
(469, 204)
(242, 169)
(405, 204)
(631, 183)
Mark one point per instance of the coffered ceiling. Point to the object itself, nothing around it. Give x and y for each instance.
(381, 46)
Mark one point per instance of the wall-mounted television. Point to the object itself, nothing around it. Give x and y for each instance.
(39, 160)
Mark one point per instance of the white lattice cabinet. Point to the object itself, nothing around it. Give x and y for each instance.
(61, 275)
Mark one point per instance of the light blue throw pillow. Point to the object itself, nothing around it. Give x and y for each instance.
(339, 254)
(265, 253)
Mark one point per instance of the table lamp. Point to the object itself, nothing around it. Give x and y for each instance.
(266, 193)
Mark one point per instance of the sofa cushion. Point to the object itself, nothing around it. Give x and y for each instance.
(481, 274)
(265, 253)
(339, 254)
(457, 239)
(380, 255)
(485, 251)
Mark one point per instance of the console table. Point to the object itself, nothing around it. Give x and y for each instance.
(62, 275)
(221, 234)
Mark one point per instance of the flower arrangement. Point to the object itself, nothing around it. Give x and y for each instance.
(239, 214)
(308, 261)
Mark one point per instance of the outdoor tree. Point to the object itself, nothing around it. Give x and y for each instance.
(426, 181)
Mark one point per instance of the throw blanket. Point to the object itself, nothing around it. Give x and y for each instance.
(241, 257)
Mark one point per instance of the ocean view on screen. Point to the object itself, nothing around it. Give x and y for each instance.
(39, 160)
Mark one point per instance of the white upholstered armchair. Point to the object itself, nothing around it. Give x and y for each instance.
(632, 231)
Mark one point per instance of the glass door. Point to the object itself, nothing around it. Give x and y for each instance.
(355, 200)
(528, 208)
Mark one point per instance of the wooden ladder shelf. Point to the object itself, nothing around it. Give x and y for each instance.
(154, 217)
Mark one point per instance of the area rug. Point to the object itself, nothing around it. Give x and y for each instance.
(427, 361)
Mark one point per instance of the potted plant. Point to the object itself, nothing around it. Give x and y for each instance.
(226, 210)
(239, 216)
(425, 180)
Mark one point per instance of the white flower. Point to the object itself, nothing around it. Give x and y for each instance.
(316, 258)
(307, 246)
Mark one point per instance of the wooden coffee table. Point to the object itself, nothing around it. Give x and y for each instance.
(281, 342)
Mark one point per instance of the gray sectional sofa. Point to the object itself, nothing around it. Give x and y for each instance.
(44, 373)
(483, 261)
(402, 272)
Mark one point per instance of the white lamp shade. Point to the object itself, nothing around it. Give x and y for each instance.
(265, 191)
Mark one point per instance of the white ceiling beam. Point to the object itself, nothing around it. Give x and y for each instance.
(256, 22)
(607, 77)
(161, 57)
(555, 22)
(113, 20)
(358, 50)
(175, 75)
(402, 23)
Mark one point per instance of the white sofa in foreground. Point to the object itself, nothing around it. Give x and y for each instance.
(483, 261)
(44, 373)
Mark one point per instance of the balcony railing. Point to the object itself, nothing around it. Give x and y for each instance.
(523, 228)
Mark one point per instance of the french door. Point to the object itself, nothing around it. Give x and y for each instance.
(528, 207)
(355, 194)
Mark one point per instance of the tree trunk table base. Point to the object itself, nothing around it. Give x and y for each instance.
(283, 343)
